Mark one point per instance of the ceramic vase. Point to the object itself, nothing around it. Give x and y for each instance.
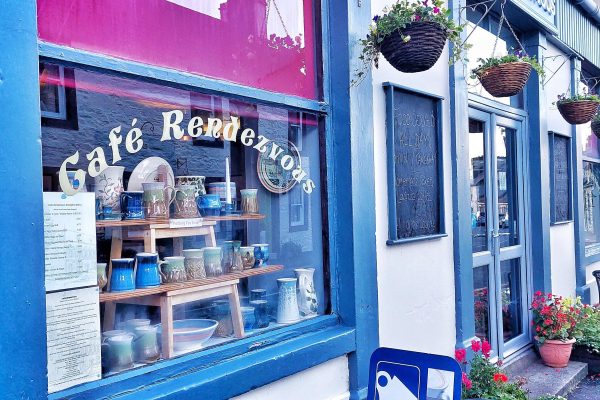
(212, 261)
(108, 187)
(249, 201)
(307, 296)
(287, 306)
(232, 257)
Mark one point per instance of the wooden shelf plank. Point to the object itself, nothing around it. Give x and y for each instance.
(116, 296)
(241, 217)
(158, 223)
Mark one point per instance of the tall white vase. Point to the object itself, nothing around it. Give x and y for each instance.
(307, 296)
(287, 306)
(108, 187)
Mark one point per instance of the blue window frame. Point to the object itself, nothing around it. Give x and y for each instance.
(561, 179)
(231, 369)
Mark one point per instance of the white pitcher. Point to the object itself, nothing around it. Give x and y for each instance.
(108, 187)
(307, 296)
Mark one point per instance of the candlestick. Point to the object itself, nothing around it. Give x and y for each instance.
(227, 182)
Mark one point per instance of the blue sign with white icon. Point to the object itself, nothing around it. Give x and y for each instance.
(408, 375)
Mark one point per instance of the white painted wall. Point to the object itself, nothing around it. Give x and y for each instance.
(562, 239)
(415, 281)
(327, 381)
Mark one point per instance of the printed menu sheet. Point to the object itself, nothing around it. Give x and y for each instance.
(69, 240)
(73, 335)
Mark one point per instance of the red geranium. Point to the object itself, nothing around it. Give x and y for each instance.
(500, 378)
(476, 346)
(555, 317)
(461, 355)
(486, 348)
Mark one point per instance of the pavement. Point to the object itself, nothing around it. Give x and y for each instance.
(588, 389)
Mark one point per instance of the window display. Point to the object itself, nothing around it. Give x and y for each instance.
(207, 212)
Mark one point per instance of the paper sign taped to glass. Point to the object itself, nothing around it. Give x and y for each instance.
(406, 375)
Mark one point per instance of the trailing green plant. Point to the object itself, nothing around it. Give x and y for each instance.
(517, 56)
(566, 98)
(555, 317)
(596, 118)
(485, 379)
(589, 329)
(397, 17)
(551, 397)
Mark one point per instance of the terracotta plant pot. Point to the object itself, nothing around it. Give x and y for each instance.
(556, 353)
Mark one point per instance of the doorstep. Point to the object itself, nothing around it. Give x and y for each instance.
(542, 379)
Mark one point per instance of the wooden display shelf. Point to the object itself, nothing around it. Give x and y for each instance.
(165, 222)
(241, 217)
(119, 296)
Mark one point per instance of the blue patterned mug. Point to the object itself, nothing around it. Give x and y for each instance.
(132, 205)
(261, 254)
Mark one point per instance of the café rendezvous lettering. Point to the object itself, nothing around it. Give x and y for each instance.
(172, 130)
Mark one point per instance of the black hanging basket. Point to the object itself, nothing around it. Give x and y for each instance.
(427, 41)
(506, 79)
(578, 112)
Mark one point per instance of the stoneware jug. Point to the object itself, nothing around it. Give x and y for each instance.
(287, 306)
(307, 296)
(122, 277)
(147, 274)
(108, 187)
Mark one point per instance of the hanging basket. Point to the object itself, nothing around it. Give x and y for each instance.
(427, 41)
(506, 79)
(578, 112)
(596, 128)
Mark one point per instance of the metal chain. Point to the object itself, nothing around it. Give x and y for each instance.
(280, 17)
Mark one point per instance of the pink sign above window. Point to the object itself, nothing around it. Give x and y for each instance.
(265, 44)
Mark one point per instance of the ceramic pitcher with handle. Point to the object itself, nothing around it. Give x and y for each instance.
(307, 296)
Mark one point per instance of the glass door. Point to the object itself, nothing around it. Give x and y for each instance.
(497, 226)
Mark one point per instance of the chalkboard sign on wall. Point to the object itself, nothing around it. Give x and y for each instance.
(414, 156)
(561, 177)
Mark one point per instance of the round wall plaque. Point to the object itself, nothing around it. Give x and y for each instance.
(272, 174)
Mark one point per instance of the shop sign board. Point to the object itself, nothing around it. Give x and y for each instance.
(544, 11)
(408, 375)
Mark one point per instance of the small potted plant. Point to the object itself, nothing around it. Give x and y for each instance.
(555, 322)
(485, 379)
(411, 36)
(596, 125)
(507, 75)
(579, 109)
(587, 345)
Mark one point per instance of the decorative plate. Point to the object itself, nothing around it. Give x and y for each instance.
(147, 171)
(270, 172)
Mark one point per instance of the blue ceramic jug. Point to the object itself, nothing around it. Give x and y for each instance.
(147, 274)
(122, 277)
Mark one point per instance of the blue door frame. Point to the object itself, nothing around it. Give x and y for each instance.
(229, 370)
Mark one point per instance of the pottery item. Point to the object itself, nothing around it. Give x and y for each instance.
(151, 169)
(258, 294)
(249, 201)
(190, 334)
(132, 205)
(556, 353)
(172, 269)
(307, 296)
(209, 205)
(108, 186)
(133, 323)
(122, 277)
(261, 313)
(218, 188)
(222, 313)
(247, 253)
(145, 344)
(195, 180)
(287, 305)
(232, 257)
(261, 254)
(185, 201)
(101, 275)
(75, 183)
(194, 264)
(212, 261)
(118, 351)
(157, 199)
(248, 317)
(147, 274)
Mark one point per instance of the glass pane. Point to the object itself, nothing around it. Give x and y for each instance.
(507, 179)
(267, 44)
(591, 207)
(482, 302)
(512, 317)
(135, 142)
(477, 176)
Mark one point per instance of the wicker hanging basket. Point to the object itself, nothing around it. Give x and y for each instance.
(578, 112)
(506, 79)
(427, 40)
(596, 128)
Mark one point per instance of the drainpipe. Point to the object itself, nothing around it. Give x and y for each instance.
(591, 7)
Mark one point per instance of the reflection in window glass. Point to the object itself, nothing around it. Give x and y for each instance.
(508, 190)
(591, 207)
(482, 302)
(477, 175)
(510, 271)
(165, 192)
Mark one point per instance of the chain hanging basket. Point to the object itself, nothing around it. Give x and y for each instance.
(578, 112)
(420, 53)
(505, 80)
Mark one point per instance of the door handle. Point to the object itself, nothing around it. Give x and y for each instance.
(495, 234)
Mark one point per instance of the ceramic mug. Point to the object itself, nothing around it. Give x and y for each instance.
(232, 257)
(122, 277)
(172, 269)
(196, 180)
(248, 259)
(185, 201)
(261, 314)
(249, 201)
(194, 264)
(209, 205)
(119, 352)
(147, 274)
(145, 344)
(258, 294)
(132, 205)
(248, 317)
(133, 323)
(212, 261)
(157, 199)
(261, 254)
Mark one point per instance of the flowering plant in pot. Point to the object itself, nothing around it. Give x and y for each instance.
(485, 379)
(411, 36)
(506, 76)
(587, 345)
(579, 109)
(555, 321)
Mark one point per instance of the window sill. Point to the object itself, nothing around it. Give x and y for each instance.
(229, 370)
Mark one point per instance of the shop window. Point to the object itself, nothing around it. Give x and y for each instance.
(58, 101)
(138, 209)
(560, 178)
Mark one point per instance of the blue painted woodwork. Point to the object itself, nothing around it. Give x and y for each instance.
(23, 313)
(578, 29)
(392, 153)
(569, 174)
